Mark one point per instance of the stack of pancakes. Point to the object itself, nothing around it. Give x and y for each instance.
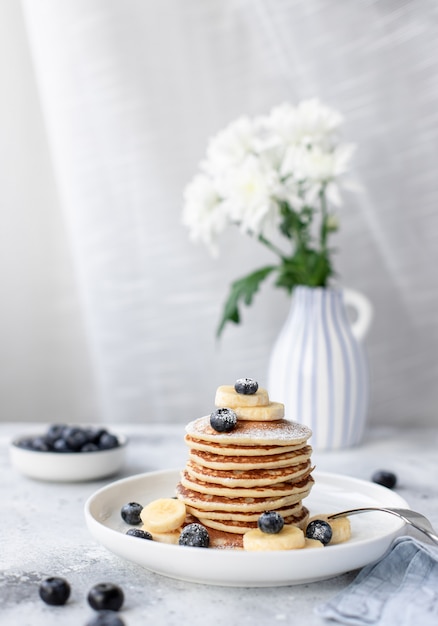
(263, 464)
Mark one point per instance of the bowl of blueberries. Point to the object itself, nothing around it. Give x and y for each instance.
(69, 453)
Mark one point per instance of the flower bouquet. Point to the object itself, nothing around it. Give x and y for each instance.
(274, 177)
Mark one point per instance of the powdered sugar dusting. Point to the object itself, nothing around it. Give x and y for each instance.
(281, 432)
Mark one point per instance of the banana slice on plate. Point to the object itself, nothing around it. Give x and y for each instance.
(163, 515)
(341, 528)
(313, 543)
(289, 538)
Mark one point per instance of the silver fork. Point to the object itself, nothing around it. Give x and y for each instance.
(417, 520)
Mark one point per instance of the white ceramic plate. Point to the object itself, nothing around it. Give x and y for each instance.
(68, 466)
(372, 534)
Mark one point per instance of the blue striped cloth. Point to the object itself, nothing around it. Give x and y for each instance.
(399, 590)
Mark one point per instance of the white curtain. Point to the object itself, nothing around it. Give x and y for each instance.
(131, 90)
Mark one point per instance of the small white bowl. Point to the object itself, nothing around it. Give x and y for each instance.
(64, 467)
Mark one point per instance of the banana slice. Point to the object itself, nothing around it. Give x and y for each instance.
(341, 528)
(227, 396)
(269, 413)
(289, 538)
(163, 515)
(312, 543)
(169, 537)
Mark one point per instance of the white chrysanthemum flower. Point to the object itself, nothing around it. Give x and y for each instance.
(249, 195)
(230, 147)
(309, 123)
(203, 213)
(315, 163)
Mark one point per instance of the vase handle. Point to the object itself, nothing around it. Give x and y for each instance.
(364, 310)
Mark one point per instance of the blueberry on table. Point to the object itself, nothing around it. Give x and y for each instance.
(54, 591)
(320, 530)
(223, 420)
(385, 478)
(105, 618)
(130, 513)
(105, 597)
(138, 532)
(194, 535)
(270, 522)
(246, 386)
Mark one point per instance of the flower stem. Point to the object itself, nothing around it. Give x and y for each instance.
(272, 247)
(323, 231)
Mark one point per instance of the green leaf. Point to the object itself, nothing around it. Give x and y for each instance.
(242, 290)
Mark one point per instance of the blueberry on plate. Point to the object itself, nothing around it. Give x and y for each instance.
(138, 532)
(270, 522)
(105, 597)
(194, 535)
(320, 530)
(246, 386)
(385, 478)
(223, 420)
(105, 618)
(54, 591)
(130, 513)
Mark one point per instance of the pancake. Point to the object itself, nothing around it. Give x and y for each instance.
(245, 516)
(206, 502)
(277, 489)
(247, 478)
(230, 462)
(279, 433)
(231, 526)
(239, 450)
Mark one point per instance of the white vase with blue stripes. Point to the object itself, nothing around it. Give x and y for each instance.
(318, 367)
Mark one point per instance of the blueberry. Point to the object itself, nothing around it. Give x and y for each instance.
(319, 529)
(270, 522)
(105, 618)
(54, 432)
(138, 532)
(75, 438)
(94, 434)
(26, 443)
(89, 447)
(223, 420)
(105, 597)
(54, 591)
(247, 386)
(40, 444)
(131, 513)
(60, 445)
(194, 535)
(108, 441)
(385, 478)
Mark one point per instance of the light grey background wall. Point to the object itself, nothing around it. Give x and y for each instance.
(44, 364)
(109, 312)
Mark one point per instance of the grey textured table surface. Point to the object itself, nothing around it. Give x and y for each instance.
(44, 534)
